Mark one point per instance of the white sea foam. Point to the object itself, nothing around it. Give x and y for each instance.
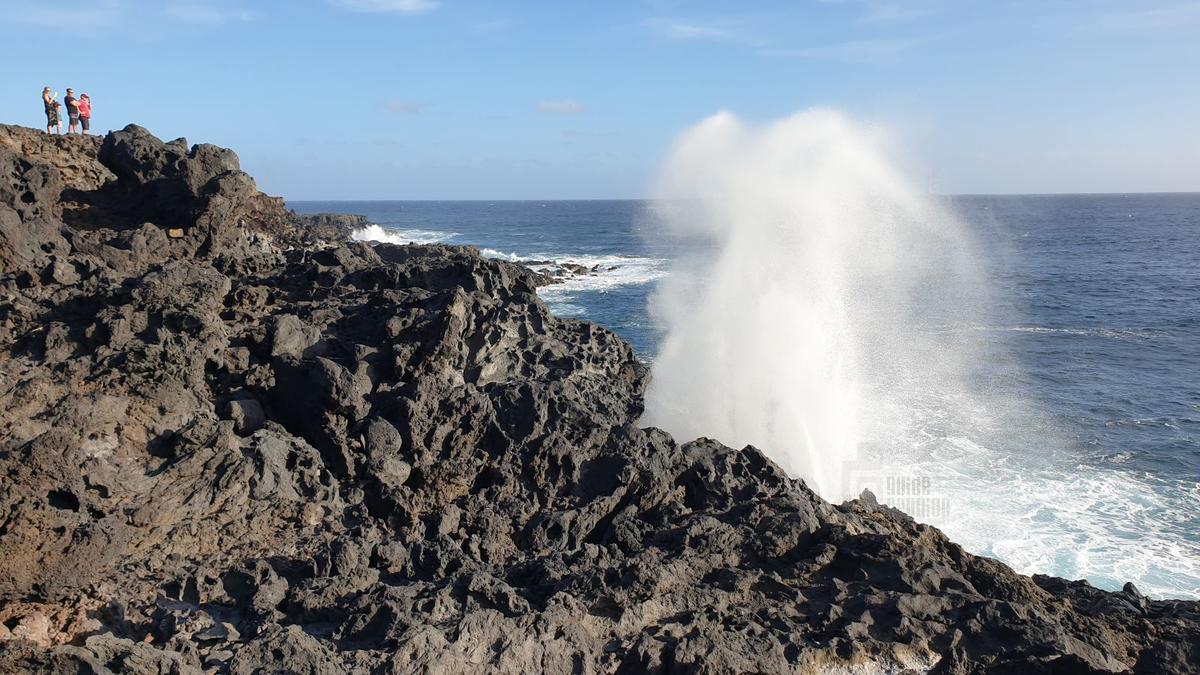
(501, 255)
(606, 272)
(1050, 515)
(400, 236)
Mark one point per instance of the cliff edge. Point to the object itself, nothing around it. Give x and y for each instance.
(234, 441)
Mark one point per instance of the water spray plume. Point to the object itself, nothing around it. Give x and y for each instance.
(800, 315)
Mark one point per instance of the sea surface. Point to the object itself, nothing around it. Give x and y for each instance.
(1091, 469)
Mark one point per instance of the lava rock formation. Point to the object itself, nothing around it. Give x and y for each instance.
(234, 441)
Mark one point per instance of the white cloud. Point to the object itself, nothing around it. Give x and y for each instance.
(565, 106)
(406, 107)
(194, 12)
(394, 6)
(117, 14)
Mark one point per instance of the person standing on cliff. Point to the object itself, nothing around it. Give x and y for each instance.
(72, 104)
(52, 120)
(85, 113)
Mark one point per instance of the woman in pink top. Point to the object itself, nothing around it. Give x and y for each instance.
(85, 113)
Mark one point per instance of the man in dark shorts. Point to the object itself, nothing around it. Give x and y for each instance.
(72, 104)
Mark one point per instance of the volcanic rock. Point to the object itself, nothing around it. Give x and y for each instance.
(332, 227)
(247, 415)
(261, 447)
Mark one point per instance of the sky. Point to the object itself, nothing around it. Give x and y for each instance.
(494, 99)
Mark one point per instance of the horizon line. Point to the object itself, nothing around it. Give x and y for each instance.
(648, 199)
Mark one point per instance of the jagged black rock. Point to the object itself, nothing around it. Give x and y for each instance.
(234, 441)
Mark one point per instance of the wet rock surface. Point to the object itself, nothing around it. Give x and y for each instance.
(259, 447)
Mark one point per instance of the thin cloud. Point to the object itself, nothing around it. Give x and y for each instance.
(880, 50)
(565, 106)
(89, 16)
(874, 11)
(1152, 20)
(406, 107)
(209, 14)
(722, 30)
(104, 15)
(388, 6)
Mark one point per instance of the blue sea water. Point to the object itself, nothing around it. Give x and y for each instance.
(1097, 309)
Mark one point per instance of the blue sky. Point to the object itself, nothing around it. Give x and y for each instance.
(446, 99)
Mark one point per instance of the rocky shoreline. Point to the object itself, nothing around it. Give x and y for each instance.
(233, 440)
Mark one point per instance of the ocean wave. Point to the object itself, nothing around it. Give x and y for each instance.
(501, 255)
(1114, 333)
(397, 236)
(1048, 515)
(608, 272)
(605, 272)
(1120, 334)
(1119, 457)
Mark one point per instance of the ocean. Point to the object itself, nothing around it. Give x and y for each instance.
(1085, 460)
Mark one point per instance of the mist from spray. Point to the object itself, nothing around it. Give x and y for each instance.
(802, 318)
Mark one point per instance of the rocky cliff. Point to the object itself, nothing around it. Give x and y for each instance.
(233, 441)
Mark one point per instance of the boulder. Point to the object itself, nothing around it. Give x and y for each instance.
(247, 415)
(292, 337)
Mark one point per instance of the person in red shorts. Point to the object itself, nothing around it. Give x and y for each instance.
(85, 113)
